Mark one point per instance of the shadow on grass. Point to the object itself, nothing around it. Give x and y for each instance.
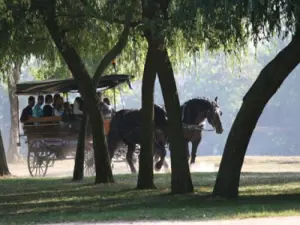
(58, 200)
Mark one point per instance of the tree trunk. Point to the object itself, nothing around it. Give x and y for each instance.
(181, 177)
(157, 13)
(102, 160)
(85, 85)
(254, 102)
(145, 177)
(78, 172)
(3, 163)
(13, 153)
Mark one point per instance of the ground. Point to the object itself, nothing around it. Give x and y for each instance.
(269, 187)
(293, 220)
(272, 164)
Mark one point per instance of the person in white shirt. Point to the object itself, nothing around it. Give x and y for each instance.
(77, 106)
(106, 108)
(59, 107)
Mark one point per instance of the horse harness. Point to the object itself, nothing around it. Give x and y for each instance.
(137, 127)
(192, 127)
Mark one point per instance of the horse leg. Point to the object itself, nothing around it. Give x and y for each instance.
(113, 143)
(156, 156)
(187, 149)
(195, 145)
(160, 149)
(129, 157)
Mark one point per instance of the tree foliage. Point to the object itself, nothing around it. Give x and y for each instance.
(89, 28)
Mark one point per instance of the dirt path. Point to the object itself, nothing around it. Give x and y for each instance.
(203, 164)
(294, 220)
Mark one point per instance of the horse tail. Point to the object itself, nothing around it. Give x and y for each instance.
(113, 136)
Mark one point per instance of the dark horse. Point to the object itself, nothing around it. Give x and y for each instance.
(194, 112)
(125, 127)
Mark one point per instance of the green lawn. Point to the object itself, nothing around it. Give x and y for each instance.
(29, 201)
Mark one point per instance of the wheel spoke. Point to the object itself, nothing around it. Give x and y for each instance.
(37, 159)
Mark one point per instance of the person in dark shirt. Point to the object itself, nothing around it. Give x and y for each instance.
(55, 99)
(48, 110)
(27, 112)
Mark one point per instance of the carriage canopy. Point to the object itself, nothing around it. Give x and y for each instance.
(67, 85)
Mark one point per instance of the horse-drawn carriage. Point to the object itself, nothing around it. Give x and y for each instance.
(52, 138)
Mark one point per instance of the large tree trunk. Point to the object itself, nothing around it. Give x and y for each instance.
(85, 84)
(13, 153)
(78, 172)
(157, 12)
(3, 163)
(254, 102)
(102, 160)
(181, 178)
(145, 177)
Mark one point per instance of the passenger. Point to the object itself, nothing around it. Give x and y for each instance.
(105, 108)
(78, 106)
(27, 111)
(38, 110)
(48, 110)
(55, 98)
(59, 107)
(68, 113)
(107, 101)
(67, 108)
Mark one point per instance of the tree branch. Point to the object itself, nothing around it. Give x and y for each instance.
(132, 24)
(117, 49)
(68, 52)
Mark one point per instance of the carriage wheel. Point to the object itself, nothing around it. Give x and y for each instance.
(89, 162)
(38, 159)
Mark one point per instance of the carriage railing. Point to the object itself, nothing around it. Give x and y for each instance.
(55, 126)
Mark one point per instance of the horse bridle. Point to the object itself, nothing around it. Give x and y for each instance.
(186, 125)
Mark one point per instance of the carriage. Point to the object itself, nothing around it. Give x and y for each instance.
(52, 138)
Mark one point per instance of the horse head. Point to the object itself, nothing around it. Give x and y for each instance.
(213, 116)
(196, 110)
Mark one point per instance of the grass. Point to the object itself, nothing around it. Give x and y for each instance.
(31, 201)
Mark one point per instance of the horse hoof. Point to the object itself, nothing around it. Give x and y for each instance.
(158, 166)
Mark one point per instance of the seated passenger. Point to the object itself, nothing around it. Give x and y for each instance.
(59, 107)
(27, 112)
(78, 106)
(68, 113)
(37, 109)
(105, 107)
(48, 110)
(55, 98)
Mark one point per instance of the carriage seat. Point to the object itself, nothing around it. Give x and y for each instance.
(43, 120)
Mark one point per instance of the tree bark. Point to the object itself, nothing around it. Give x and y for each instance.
(3, 163)
(145, 176)
(181, 178)
(78, 172)
(13, 153)
(254, 102)
(157, 12)
(85, 84)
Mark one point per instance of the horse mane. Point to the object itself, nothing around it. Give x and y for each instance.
(204, 100)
